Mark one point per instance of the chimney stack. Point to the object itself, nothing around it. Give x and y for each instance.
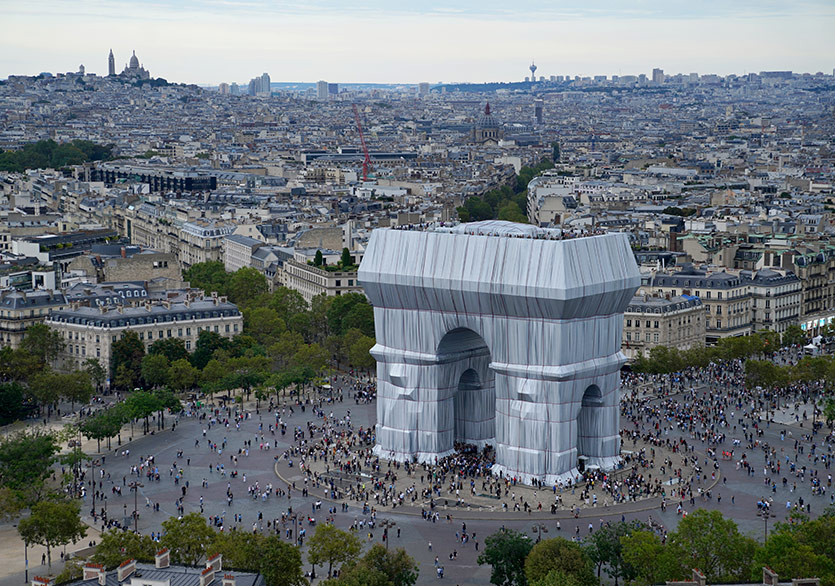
(215, 562)
(92, 571)
(124, 252)
(207, 576)
(125, 570)
(699, 578)
(40, 581)
(228, 580)
(770, 577)
(162, 558)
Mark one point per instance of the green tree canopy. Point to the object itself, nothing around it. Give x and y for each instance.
(505, 551)
(281, 563)
(114, 547)
(245, 285)
(126, 355)
(210, 276)
(52, 524)
(706, 540)
(155, 369)
(332, 546)
(562, 555)
(42, 342)
(26, 459)
(172, 348)
(378, 567)
(187, 538)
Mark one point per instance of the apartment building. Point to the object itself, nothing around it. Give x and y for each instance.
(726, 298)
(90, 332)
(776, 299)
(662, 320)
(311, 281)
(21, 309)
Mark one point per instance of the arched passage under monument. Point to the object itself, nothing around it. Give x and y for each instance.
(493, 332)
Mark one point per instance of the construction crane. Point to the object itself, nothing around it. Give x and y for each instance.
(366, 163)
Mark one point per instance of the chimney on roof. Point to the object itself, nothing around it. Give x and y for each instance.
(215, 562)
(40, 581)
(228, 580)
(770, 577)
(124, 252)
(207, 576)
(125, 570)
(92, 571)
(162, 558)
(699, 578)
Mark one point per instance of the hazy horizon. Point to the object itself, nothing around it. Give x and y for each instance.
(207, 42)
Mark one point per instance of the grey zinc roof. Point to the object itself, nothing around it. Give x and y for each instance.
(244, 240)
(14, 299)
(112, 317)
(176, 576)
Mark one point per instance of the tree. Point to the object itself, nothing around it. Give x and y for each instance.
(794, 336)
(182, 375)
(155, 369)
(212, 374)
(263, 324)
(172, 348)
(283, 350)
(346, 260)
(604, 548)
(11, 402)
(141, 405)
(332, 546)
(359, 352)
(713, 544)
(95, 371)
(506, 551)
(790, 558)
(210, 276)
(52, 524)
(650, 561)
(281, 563)
(240, 550)
(562, 555)
(187, 538)
(26, 460)
(114, 547)
(318, 261)
(75, 386)
(311, 355)
(341, 306)
(829, 411)
(42, 342)
(126, 356)
(44, 389)
(557, 578)
(246, 284)
(378, 567)
(207, 344)
(102, 425)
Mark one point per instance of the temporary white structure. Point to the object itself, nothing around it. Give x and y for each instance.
(500, 333)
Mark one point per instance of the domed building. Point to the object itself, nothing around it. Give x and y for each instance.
(134, 69)
(487, 129)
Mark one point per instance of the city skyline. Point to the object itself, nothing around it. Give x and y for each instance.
(212, 41)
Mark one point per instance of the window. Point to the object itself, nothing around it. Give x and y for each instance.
(655, 337)
(647, 336)
(718, 324)
(236, 328)
(227, 328)
(188, 331)
(629, 323)
(179, 332)
(655, 325)
(188, 345)
(169, 333)
(159, 335)
(719, 295)
(718, 310)
(648, 322)
(628, 336)
(338, 283)
(217, 329)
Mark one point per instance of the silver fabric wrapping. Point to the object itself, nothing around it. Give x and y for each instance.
(483, 337)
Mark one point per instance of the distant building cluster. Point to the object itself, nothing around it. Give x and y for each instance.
(723, 186)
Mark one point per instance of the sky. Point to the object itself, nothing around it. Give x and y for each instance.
(400, 41)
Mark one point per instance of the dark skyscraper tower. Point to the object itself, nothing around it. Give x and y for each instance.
(111, 64)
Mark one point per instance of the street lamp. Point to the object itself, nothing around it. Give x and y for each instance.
(93, 510)
(765, 513)
(26, 557)
(135, 486)
(539, 529)
(386, 525)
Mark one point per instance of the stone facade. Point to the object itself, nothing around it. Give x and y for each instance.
(21, 309)
(650, 321)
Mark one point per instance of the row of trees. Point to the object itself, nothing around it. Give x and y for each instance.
(630, 552)
(50, 154)
(30, 384)
(505, 203)
(664, 359)
(190, 539)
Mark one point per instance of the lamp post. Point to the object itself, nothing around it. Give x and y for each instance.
(539, 529)
(765, 513)
(93, 510)
(386, 525)
(135, 486)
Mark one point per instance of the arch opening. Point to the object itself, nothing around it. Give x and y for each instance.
(589, 425)
(471, 404)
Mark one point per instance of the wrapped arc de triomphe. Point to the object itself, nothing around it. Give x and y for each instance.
(499, 333)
